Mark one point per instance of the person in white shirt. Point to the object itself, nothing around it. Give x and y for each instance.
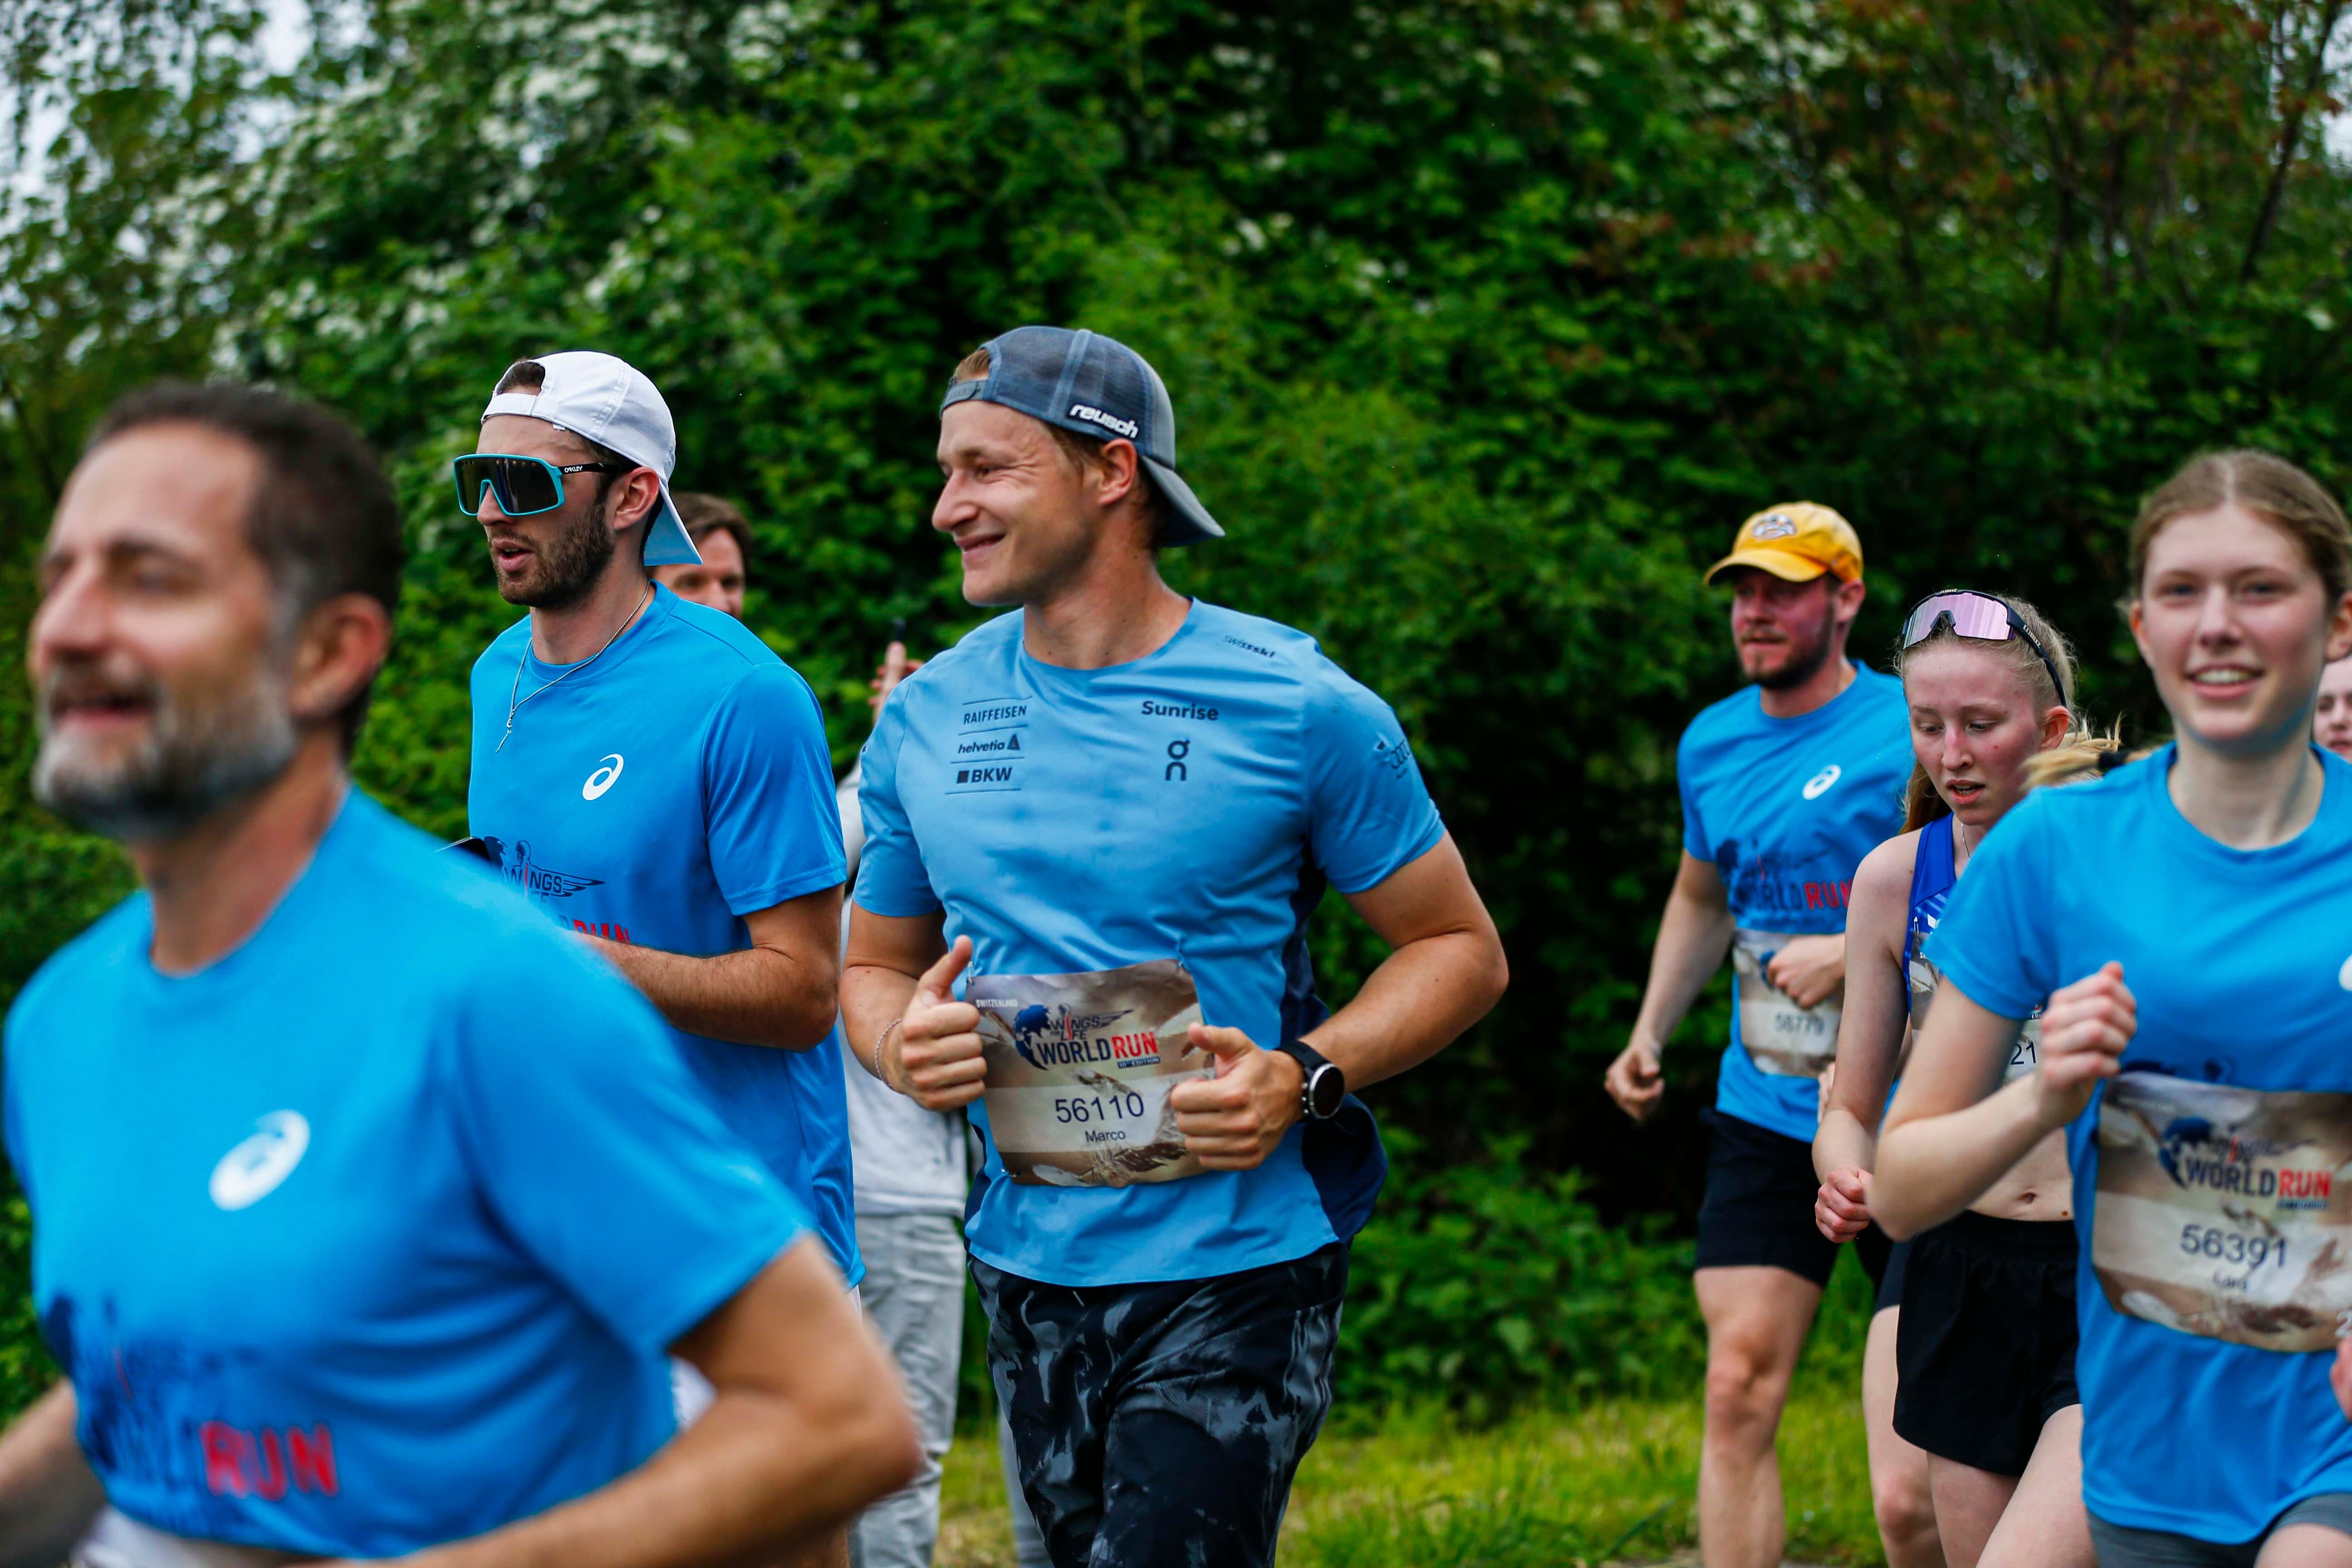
(911, 1178)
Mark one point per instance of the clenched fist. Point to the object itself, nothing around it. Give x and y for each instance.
(2084, 1032)
(934, 1054)
(1634, 1080)
(1233, 1121)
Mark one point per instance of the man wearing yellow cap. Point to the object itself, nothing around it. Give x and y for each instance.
(1786, 785)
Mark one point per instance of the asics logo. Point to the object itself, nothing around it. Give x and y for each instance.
(1819, 785)
(1774, 525)
(606, 775)
(253, 1170)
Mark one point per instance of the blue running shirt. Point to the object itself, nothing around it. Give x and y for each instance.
(371, 1234)
(2205, 1176)
(657, 795)
(1187, 806)
(1785, 808)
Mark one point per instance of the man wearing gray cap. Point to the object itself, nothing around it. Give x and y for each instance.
(650, 774)
(1094, 831)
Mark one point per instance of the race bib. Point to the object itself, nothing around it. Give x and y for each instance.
(1079, 1068)
(2218, 1213)
(1781, 1037)
(2024, 1054)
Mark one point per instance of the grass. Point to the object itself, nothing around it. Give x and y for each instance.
(1614, 1481)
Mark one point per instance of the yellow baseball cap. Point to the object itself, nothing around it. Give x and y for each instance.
(1797, 541)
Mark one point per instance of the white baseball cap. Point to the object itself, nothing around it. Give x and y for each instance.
(609, 401)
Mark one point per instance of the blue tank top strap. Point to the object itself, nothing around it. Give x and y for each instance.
(1931, 886)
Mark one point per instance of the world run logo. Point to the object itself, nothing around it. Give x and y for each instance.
(1055, 1037)
(2196, 1153)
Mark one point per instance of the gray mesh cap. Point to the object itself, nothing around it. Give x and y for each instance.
(1093, 386)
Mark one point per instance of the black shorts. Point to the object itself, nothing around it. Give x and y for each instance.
(1984, 1353)
(1759, 1209)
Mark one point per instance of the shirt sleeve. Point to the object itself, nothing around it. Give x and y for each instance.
(773, 829)
(890, 875)
(1696, 843)
(1997, 939)
(1369, 813)
(598, 1152)
(853, 823)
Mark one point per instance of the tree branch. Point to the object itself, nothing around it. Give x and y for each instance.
(2290, 138)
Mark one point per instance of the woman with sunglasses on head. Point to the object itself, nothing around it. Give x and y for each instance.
(1983, 1337)
(2186, 925)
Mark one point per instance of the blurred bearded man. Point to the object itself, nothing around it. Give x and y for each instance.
(272, 1352)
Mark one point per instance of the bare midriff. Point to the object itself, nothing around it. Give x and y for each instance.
(2037, 1187)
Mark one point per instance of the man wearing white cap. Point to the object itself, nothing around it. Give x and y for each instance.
(650, 774)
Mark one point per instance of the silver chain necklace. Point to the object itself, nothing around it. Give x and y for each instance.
(513, 702)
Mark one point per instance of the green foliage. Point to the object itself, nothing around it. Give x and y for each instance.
(1556, 1483)
(1614, 1481)
(1482, 1285)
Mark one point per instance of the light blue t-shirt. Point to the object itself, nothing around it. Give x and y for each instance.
(655, 795)
(371, 1234)
(1786, 809)
(1189, 805)
(2240, 962)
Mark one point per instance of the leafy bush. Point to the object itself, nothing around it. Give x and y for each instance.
(1479, 1285)
(1482, 1287)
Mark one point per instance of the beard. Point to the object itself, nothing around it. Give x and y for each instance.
(1807, 649)
(569, 566)
(1805, 657)
(196, 757)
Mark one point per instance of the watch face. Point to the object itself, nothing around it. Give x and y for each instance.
(1324, 1090)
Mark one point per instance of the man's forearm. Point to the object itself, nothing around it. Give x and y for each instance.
(723, 1483)
(872, 995)
(48, 1493)
(757, 996)
(1693, 938)
(1419, 999)
(808, 1424)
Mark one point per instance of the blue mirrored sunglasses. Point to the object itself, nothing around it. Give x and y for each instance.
(522, 484)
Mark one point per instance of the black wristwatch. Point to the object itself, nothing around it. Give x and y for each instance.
(1325, 1087)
